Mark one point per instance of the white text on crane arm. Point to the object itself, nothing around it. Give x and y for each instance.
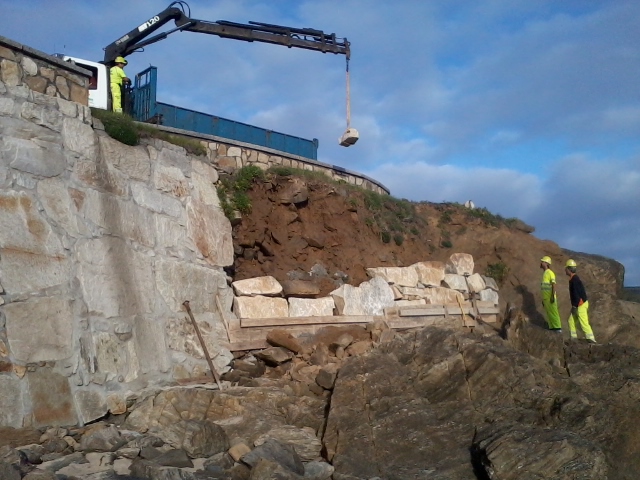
(148, 23)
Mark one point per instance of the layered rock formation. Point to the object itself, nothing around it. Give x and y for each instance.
(359, 404)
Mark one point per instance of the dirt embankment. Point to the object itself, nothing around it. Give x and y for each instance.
(308, 228)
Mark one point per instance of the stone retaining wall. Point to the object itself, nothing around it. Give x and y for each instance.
(228, 154)
(423, 283)
(22, 67)
(100, 244)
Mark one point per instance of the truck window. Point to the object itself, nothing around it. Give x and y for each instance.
(93, 81)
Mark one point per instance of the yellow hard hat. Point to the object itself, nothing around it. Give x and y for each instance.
(546, 259)
(571, 263)
(121, 60)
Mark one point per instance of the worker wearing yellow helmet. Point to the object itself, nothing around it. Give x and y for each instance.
(579, 303)
(117, 78)
(549, 299)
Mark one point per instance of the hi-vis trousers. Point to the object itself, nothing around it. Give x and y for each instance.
(116, 97)
(551, 310)
(582, 316)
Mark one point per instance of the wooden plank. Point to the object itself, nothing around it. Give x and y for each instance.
(492, 310)
(294, 321)
(434, 307)
(224, 318)
(391, 311)
(485, 304)
(252, 334)
(488, 308)
(418, 307)
(421, 312)
(234, 324)
(456, 310)
(415, 322)
(195, 380)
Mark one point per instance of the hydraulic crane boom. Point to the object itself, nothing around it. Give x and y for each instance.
(180, 13)
(307, 38)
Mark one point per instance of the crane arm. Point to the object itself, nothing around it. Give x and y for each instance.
(134, 40)
(307, 38)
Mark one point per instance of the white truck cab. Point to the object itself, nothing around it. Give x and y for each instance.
(98, 83)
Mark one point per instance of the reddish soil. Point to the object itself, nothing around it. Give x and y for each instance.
(301, 228)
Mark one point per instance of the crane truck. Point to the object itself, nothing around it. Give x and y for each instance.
(179, 12)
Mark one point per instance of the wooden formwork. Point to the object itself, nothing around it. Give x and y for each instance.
(251, 333)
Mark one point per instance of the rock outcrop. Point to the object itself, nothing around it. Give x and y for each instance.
(355, 403)
(452, 405)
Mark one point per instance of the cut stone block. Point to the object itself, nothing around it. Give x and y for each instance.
(370, 298)
(24, 228)
(40, 329)
(460, 264)
(11, 402)
(260, 307)
(409, 293)
(266, 285)
(116, 280)
(455, 282)
(476, 283)
(440, 295)
(51, 399)
(210, 232)
(428, 275)
(179, 281)
(489, 295)
(402, 276)
(490, 283)
(311, 307)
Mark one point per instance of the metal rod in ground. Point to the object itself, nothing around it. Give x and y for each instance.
(224, 318)
(204, 347)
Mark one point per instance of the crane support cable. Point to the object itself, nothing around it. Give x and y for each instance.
(351, 135)
(348, 97)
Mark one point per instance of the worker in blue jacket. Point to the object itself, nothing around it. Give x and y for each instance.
(579, 303)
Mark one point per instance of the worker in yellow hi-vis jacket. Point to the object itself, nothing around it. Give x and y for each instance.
(579, 303)
(118, 77)
(549, 299)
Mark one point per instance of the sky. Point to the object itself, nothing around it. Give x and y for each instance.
(530, 109)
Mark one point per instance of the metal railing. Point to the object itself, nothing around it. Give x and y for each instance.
(148, 109)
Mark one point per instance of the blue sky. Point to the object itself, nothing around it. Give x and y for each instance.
(531, 109)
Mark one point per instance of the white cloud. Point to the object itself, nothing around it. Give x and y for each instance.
(507, 192)
(592, 206)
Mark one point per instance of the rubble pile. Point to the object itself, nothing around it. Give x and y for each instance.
(199, 432)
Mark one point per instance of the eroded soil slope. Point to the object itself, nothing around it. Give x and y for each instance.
(309, 228)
